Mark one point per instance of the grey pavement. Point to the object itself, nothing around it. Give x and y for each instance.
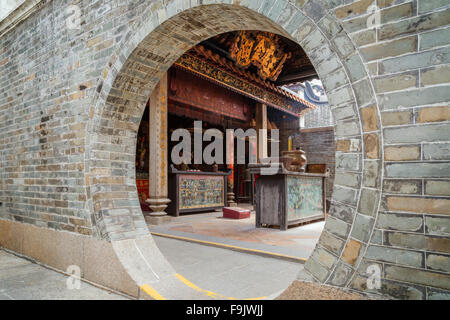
(21, 279)
(226, 272)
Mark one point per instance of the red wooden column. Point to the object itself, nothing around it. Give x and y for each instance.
(158, 190)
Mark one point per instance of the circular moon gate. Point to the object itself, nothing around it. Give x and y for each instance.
(153, 43)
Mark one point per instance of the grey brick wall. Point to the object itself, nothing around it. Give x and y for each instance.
(71, 102)
(318, 143)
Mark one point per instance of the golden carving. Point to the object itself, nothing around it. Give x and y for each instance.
(237, 84)
(262, 51)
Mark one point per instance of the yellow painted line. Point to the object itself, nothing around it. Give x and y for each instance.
(196, 288)
(152, 292)
(229, 246)
(207, 292)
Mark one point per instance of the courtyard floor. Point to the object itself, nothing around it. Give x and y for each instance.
(297, 243)
(21, 279)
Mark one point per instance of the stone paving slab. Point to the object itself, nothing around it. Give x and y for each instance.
(298, 242)
(228, 273)
(21, 279)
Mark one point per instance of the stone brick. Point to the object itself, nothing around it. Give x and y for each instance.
(371, 174)
(348, 161)
(356, 8)
(396, 118)
(414, 25)
(422, 277)
(436, 151)
(329, 25)
(335, 79)
(389, 49)
(364, 37)
(315, 10)
(362, 227)
(438, 262)
(331, 4)
(434, 39)
(410, 134)
(355, 67)
(396, 12)
(347, 179)
(419, 205)
(437, 226)
(324, 258)
(304, 31)
(348, 145)
(405, 240)
(417, 97)
(316, 269)
(344, 112)
(402, 186)
(396, 256)
(436, 75)
(331, 243)
(340, 96)
(433, 294)
(363, 92)
(356, 24)
(368, 203)
(337, 227)
(324, 53)
(340, 275)
(433, 114)
(417, 170)
(402, 153)
(345, 195)
(438, 244)
(371, 146)
(377, 237)
(313, 40)
(351, 252)
(344, 45)
(342, 211)
(437, 187)
(396, 82)
(415, 61)
(400, 222)
(425, 6)
(328, 65)
(369, 118)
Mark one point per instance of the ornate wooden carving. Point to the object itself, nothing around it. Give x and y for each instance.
(227, 79)
(261, 50)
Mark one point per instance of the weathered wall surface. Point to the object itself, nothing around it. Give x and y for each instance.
(318, 143)
(71, 102)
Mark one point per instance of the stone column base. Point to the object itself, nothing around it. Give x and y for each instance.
(158, 206)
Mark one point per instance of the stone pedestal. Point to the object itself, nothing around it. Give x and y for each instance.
(158, 198)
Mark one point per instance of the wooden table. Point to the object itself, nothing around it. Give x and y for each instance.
(287, 198)
(196, 191)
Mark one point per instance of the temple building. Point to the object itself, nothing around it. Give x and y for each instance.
(236, 80)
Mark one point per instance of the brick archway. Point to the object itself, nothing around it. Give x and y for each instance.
(162, 35)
